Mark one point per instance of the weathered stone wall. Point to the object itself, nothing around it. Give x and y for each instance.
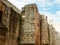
(37, 25)
(30, 25)
(44, 30)
(34, 23)
(5, 12)
(9, 26)
(13, 28)
(34, 29)
(52, 35)
(27, 29)
(57, 38)
(3, 25)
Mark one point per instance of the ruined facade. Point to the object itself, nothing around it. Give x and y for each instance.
(35, 29)
(27, 27)
(30, 25)
(9, 24)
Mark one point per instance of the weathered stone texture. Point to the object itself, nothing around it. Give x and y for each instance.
(52, 35)
(27, 27)
(57, 38)
(3, 28)
(13, 28)
(44, 30)
(37, 25)
(30, 25)
(9, 25)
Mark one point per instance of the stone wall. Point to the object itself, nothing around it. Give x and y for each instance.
(57, 38)
(44, 30)
(37, 25)
(32, 28)
(9, 25)
(3, 24)
(13, 28)
(30, 25)
(52, 35)
(27, 26)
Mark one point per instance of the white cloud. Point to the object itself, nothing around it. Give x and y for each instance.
(57, 1)
(21, 3)
(58, 12)
(44, 9)
(45, 2)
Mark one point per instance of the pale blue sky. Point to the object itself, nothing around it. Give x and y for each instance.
(50, 8)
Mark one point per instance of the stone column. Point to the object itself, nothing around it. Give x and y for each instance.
(44, 31)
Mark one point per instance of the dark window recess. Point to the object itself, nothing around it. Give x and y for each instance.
(0, 16)
(27, 44)
(45, 44)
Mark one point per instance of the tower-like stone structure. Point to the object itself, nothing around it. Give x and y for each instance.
(29, 25)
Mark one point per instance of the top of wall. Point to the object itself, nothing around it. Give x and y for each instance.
(11, 5)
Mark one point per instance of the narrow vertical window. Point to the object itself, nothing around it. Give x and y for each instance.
(0, 16)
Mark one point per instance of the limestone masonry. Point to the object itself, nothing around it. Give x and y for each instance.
(25, 27)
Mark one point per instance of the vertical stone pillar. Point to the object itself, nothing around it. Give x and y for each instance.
(13, 28)
(30, 31)
(37, 25)
(3, 28)
(44, 32)
(8, 12)
(52, 35)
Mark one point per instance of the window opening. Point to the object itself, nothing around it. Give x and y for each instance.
(0, 16)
